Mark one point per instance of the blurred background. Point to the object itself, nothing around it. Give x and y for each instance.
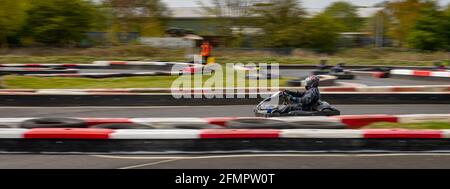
(417, 30)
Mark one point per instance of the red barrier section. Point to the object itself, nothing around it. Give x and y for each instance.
(97, 121)
(68, 134)
(69, 65)
(401, 133)
(241, 133)
(358, 121)
(378, 75)
(218, 120)
(421, 73)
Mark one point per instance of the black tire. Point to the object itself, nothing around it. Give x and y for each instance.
(331, 112)
(320, 72)
(188, 126)
(344, 76)
(53, 123)
(319, 125)
(257, 124)
(121, 126)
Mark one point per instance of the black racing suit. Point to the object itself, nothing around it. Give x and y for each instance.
(337, 69)
(304, 101)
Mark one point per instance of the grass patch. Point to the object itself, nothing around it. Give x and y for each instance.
(28, 82)
(427, 125)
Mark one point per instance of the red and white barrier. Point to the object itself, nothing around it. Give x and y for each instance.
(421, 73)
(158, 134)
(353, 122)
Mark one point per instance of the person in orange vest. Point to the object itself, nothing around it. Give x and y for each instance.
(205, 52)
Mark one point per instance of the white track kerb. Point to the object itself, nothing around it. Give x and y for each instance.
(352, 122)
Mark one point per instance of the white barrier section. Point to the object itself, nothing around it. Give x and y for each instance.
(12, 122)
(445, 133)
(322, 133)
(12, 133)
(440, 74)
(155, 134)
(418, 118)
(101, 63)
(402, 72)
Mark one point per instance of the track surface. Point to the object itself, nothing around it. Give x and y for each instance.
(206, 111)
(286, 161)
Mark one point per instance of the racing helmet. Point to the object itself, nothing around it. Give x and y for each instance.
(311, 81)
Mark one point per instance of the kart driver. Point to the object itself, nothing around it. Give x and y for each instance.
(339, 68)
(305, 101)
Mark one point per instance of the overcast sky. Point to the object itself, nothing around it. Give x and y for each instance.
(306, 3)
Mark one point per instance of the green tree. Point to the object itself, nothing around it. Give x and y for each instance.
(12, 18)
(403, 15)
(345, 14)
(429, 31)
(59, 22)
(446, 27)
(281, 21)
(230, 17)
(144, 16)
(322, 33)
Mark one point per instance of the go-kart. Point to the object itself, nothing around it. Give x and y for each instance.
(277, 104)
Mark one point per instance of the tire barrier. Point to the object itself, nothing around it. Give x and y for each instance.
(254, 123)
(314, 122)
(25, 71)
(53, 123)
(443, 75)
(371, 72)
(121, 126)
(262, 76)
(325, 80)
(103, 137)
(156, 141)
(340, 75)
(312, 66)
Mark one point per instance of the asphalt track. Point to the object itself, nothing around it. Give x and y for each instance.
(237, 161)
(206, 111)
